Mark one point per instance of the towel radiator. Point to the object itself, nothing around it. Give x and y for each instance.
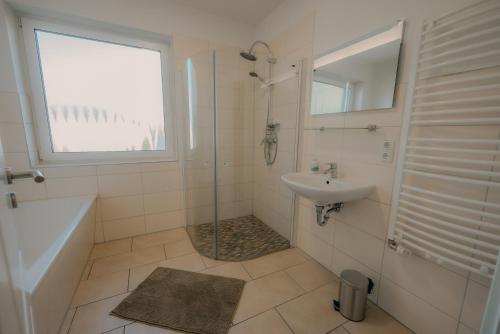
(446, 203)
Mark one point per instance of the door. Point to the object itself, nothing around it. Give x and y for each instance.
(12, 296)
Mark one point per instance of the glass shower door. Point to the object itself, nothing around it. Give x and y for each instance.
(200, 151)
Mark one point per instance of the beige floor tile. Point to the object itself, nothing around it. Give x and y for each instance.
(376, 322)
(313, 312)
(274, 262)
(178, 248)
(140, 273)
(191, 262)
(101, 287)
(211, 262)
(111, 248)
(264, 293)
(68, 319)
(137, 328)
(311, 275)
(128, 260)
(341, 330)
(159, 238)
(232, 269)
(267, 322)
(86, 270)
(94, 318)
(120, 330)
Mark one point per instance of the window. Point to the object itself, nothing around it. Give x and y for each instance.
(328, 98)
(98, 96)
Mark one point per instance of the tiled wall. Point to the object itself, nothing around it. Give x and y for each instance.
(409, 288)
(133, 198)
(272, 200)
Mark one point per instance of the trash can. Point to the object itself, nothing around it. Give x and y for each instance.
(353, 292)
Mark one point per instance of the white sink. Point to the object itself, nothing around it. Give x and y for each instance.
(323, 190)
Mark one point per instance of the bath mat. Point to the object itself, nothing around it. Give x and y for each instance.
(183, 300)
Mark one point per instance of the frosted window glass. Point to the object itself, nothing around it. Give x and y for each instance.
(101, 96)
(327, 98)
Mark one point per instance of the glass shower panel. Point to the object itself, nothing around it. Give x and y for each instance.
(234, 135)
(199, 151)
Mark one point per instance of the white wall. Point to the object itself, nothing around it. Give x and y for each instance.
(425, 297)
(160, 16)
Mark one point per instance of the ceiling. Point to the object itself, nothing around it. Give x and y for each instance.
(247, 11)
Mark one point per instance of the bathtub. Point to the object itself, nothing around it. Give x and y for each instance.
(56, 237)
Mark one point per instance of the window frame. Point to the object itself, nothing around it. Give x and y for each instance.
(40, 111)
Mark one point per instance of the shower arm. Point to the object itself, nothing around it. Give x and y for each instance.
(271, 59)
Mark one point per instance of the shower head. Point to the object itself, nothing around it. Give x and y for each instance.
(255, 75)
(249, 55)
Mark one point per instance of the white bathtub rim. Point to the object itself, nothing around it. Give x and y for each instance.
(31, 280)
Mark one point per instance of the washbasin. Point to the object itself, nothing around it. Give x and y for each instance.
(323, 190)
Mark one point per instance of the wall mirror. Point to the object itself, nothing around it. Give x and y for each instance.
(358, 76)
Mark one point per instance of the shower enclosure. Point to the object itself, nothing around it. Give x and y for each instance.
(223, 133)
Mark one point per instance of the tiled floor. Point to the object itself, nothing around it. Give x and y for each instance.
(287, 292)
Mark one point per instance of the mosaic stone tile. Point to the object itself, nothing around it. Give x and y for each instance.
(238, 239)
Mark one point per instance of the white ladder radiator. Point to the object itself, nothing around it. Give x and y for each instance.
(446, 206)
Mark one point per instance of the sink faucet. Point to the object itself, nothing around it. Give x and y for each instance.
(332, 170)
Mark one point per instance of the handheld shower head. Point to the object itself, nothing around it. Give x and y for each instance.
(255, 75)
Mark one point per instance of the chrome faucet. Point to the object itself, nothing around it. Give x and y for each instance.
(332, 170)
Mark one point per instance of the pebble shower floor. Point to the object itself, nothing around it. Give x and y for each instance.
(239, 239)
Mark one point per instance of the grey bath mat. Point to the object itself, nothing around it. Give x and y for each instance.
(183, 300)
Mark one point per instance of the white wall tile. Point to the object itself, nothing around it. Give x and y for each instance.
(159, 166)
(438, 286)
(366, 215)
(165, 221)
(315, 247)
(13, 138)
(164, 201)
(381, 177)
(119, 184)
(72, 186)
(121, 207)
(27, 190)
(360, 245)
(118, 169)
(69, 171)
(365, 146)
(122, 228)
(413, 312)
(10, 108)
(153, 182)
(474, 305)
(17, 161)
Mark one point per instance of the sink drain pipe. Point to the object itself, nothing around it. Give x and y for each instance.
(323, 212)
